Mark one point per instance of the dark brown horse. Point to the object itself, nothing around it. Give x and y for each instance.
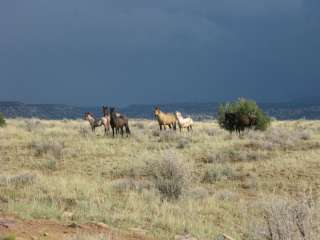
(106, 115)
(239, 121)
(118, 122)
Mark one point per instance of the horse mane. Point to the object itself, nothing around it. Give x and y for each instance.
(89, 113)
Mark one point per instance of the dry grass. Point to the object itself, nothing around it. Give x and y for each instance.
(218, 181)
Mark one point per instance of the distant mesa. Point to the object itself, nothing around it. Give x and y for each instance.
(283, 111)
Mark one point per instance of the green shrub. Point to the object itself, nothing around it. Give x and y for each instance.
(2, 121)
(247, 108)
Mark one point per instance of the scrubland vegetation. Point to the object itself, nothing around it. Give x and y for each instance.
(263, 185)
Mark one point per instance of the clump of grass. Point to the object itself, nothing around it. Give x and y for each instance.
(236, 154)
(169, 136)
(155, 133)
(217, 173)
(51, 146)
(84, 132)
(287, 219)
(278, 138)
(226, 195)
(123, 184)
(82, 236)
(214, 132)
(133, 170)
(169, 176)
(18, 180)
(128, 184)
(138, 125)
(50, 164)
(183, 143)
(197, 193)
(31, 125)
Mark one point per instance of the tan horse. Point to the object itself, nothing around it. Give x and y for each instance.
(184, 122)
(165, 119)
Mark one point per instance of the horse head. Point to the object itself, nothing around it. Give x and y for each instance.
(105, 110)
(157, 111)
(86, 116)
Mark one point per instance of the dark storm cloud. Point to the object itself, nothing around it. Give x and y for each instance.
(122, 52)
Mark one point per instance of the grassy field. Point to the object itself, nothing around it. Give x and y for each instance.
(204, 183)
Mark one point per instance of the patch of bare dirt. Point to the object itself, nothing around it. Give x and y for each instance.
(52, 230)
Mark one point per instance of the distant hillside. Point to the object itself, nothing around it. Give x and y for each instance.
(292, 110)
(43, 111)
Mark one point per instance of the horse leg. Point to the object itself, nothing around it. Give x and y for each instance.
(121, 131)
(160, 127)
(127, 129)
(113, 132)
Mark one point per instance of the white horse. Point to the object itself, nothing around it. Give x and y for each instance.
(184, 122)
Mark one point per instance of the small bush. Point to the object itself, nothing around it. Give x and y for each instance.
(48, 146)
(2, 120)
(168, 136)
(217, 173)
(243, 107)
(129, 184)
(32, 124)
(225, 195)
(213, 132)
(283, 219)
(169, 176)
(82, 236)
(18, 180)
(138, 125)
(50, 164)
(278, 138)
(123, 184)
(183, 143)
(84, 132)
(198, 193)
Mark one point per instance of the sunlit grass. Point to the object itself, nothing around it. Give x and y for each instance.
(61, 170)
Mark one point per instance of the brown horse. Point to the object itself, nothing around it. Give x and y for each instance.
(106, 115)
(165, 119)
(118, 122)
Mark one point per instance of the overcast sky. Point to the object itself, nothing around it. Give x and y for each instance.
(86, 52)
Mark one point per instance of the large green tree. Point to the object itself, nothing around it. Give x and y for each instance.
(2, 120)
(243, 107)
